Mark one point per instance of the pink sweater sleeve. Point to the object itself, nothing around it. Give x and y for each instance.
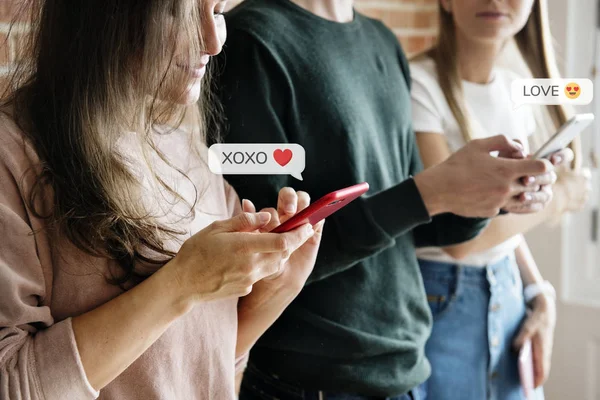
(38, 356)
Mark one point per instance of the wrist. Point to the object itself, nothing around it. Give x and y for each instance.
(539, 294)
(266, 294)
(171, 290)
(542, 302)
(432, 191)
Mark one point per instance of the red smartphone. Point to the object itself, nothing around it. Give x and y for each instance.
(323, 207)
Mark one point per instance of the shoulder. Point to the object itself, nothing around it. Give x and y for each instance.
(423, 70)
(262, 34)
(17, 155)
(20, 168)
(425, 84)
(376, 25)
(254, 13)
(265, 23)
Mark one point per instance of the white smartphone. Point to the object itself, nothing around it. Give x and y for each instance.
(565, 135)
(526, 370)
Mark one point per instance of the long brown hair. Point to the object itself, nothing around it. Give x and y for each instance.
(89, 72)
(534, 44)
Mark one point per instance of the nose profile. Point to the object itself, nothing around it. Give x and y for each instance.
(211, 42)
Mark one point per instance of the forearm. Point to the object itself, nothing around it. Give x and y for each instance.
(258, 311)
(112, 336)
(448, 229)
(501, 229)
(527, 265)
(367, 226)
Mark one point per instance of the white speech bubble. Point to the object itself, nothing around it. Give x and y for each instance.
(575, 91)
(257, 159)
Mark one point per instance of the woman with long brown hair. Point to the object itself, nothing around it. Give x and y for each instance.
(122, 257)
(479, 291)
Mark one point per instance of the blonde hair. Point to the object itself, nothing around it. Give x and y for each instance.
(89, 72)
(534, 44)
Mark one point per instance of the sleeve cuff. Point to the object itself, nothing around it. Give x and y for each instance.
(399, 209)
(58, 364)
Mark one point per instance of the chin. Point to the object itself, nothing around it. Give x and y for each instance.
(492, 32)
(191, 96)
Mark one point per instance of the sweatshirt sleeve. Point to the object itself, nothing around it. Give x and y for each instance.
(38, 356)
(255, 92)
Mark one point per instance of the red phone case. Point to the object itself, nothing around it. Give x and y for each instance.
(323, 207)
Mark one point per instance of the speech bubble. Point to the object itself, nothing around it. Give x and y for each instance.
(257, 159)
(574, 91)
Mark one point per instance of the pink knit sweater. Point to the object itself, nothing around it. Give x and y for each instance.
(45, 280)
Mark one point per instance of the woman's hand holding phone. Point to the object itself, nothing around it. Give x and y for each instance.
(538, 327)
(227, 258)
(271, 295)
(300, 263)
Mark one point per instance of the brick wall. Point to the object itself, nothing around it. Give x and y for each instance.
(8, 43)
(413, 21)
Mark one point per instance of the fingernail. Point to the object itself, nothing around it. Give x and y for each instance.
(290, 208)
(310, 231)
(558, 159)
(527, 197)
(264, 217)
(530, 179)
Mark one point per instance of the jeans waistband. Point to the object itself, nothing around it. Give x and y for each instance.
(498, 271)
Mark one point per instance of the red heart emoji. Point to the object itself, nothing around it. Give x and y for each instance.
(568, 88)
(576, 88)
(282, 157)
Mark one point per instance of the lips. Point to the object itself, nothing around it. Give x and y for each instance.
(196, 71)
(491, 14)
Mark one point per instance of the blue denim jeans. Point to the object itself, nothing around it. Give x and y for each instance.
(259, 385)
(477, 312)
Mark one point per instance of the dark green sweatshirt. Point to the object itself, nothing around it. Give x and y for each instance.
(342, 92)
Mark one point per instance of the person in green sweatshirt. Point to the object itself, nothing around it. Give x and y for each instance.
(322, 75)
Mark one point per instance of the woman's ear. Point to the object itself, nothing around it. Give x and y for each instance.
(446, 5)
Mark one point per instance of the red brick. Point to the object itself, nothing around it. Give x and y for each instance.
(415, 44)
(404, 19)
